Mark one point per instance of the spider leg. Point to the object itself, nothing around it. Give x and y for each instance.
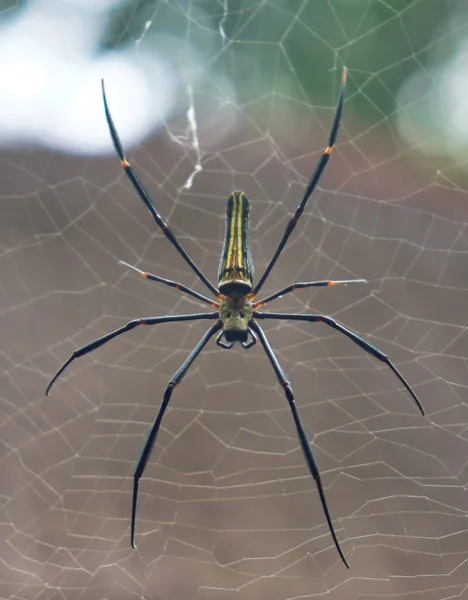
(170, 283)
(307, 284)
(310, 186)
(140, 190)
(175, 380)
(305, 444)
(130, 325)
(369, 348)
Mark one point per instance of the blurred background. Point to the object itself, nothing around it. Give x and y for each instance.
(211, 96)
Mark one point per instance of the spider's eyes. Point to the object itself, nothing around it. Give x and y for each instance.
(241, 314)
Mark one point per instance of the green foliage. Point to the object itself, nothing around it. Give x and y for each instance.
(290, 46)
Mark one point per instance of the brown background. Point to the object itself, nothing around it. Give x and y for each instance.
(227, 508)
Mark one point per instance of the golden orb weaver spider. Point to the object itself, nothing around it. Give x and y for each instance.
(237, 311)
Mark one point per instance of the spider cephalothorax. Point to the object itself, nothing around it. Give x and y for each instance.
(236, 313)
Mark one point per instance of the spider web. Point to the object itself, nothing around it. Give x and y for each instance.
(227, 508)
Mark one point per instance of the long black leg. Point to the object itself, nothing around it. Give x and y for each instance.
(307, 284)
(130, 325)
(145, 197)
(352, 336)
(175, 379)
(174, 284)
(310, 187)
(305, 444)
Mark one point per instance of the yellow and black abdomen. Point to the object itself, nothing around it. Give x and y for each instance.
(235, 274)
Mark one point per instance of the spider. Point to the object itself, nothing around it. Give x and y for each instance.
(236, 312)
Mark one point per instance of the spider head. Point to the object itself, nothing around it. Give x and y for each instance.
(235, 313)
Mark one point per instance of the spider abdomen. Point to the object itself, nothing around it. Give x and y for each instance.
(235, 274)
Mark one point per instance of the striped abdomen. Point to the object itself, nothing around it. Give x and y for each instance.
(235, 274)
